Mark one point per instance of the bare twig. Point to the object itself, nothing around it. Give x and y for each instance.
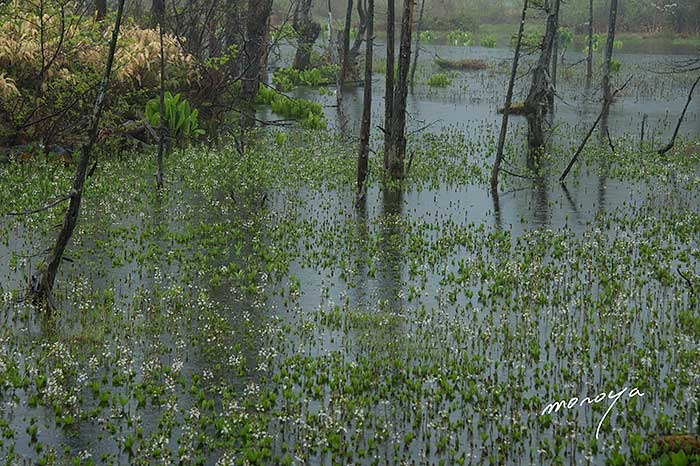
(46, 207)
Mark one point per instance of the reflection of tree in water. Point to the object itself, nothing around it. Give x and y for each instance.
(390, 255)
(361, 252)
(534, 155)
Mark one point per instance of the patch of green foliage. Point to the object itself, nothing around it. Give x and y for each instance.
(285, 79)
(439, 80)
(180, 119)
(488, 41)
(309, 114)
(460, 38)
(427, 36)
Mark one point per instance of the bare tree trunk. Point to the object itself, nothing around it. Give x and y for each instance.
(355, 49)
(589, 59)
(329, 44)
(157, 10)
(42, 286)
(363, 157)
(397, 151)
(232, 33)
(389, 90)
(263, 74)
(555, 58)
(607, 96)
(509, 101)
(254, 48)
(540, 97)
(100, 9)
(161, 129)
(418, 32)
(345, 47)
(307, 31)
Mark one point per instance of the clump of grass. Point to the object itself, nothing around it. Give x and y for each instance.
(467, 64)
(439, 80)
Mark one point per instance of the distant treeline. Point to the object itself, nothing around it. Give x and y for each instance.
(645, 16)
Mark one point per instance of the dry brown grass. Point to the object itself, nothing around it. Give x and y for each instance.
(467, 64)
(688, 443)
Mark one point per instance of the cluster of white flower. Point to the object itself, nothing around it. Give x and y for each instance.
(235, 360)
(251, 390)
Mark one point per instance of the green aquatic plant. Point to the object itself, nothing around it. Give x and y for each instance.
(439, 80)
(287, 78)
(427, 36)
(457, 37)
(180, 120)
(309, 114)
(488, 41)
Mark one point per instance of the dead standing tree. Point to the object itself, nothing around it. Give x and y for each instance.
(42, 283)
(397, 139)
(162, 128)
(607, 94)
(307, 33)
(506, 108)
(389, 79)
(589, 58)
(255, 48)
(362, 8)
(541, 94)
(345, 47)
(363, 156)
(418, 33)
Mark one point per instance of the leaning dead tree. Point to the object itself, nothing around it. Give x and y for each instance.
(509, 101)
(541, 96)
(397, 139)
(42, 283)
(307, 32)
(363, 156)
(588, 135)
(672, 142)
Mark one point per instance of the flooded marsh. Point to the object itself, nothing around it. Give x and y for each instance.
(251, 313)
